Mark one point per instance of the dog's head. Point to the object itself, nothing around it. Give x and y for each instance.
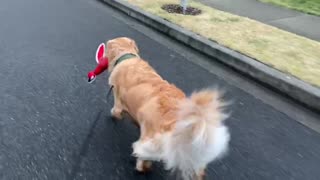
(117, 47)
(107, 55)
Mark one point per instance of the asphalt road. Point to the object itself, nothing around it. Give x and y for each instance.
(53, 125)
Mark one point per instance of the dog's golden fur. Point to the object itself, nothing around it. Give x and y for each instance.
(158, 107)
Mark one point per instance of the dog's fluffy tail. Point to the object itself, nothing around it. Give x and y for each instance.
(200, 135)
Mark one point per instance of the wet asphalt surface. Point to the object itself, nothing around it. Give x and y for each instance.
(54, 125)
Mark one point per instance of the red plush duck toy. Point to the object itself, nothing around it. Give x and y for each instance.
(102, 61)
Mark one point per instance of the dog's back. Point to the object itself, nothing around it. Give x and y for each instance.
(145, 95)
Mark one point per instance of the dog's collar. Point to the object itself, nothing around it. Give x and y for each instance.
(124, 57)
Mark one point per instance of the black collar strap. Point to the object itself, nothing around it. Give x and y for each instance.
(125, 57)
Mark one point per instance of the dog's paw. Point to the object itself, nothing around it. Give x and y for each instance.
(116, 113)
(139, 166)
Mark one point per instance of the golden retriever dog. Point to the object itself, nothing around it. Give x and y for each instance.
(185, 133)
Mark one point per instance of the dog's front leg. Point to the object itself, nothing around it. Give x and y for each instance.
(117, 107)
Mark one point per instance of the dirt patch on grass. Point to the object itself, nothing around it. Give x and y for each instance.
(175, 8)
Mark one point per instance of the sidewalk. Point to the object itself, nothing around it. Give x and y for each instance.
(286, 19)
(267, 54)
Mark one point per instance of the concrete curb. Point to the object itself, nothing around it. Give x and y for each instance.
(288, 85)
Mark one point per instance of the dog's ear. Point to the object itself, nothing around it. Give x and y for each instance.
(100, 52)
(133, 43)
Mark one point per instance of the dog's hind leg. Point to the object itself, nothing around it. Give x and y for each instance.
(146, 150)
(200, 174)
(143, 165)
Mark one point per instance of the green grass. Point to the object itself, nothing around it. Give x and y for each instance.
(287, 52)
(306, 6)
